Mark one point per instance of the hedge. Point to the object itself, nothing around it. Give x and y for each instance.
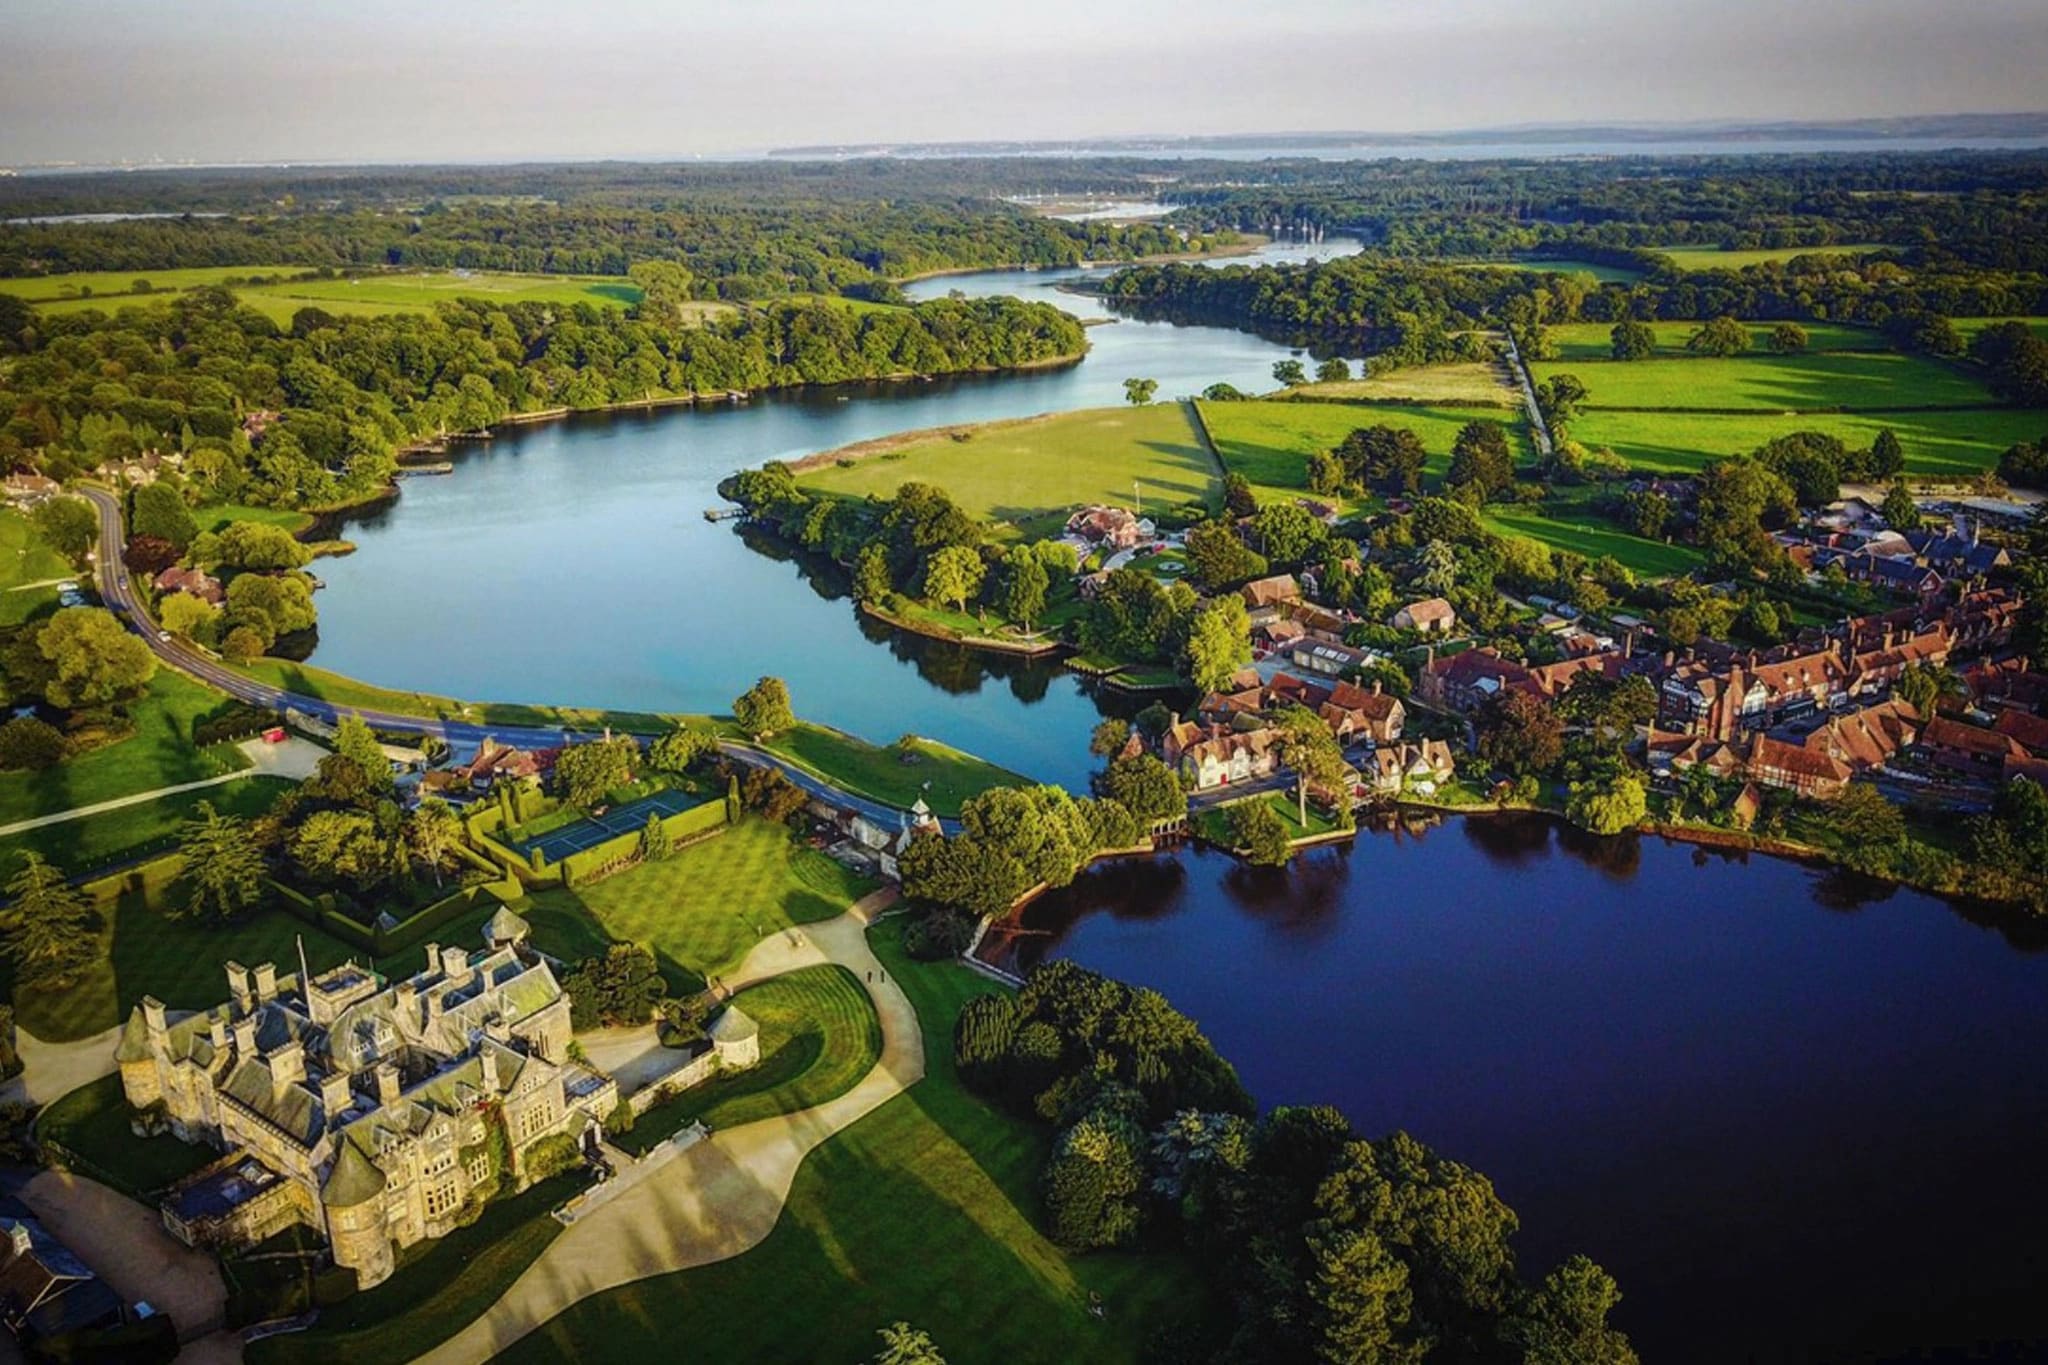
(321, 912)
(680, 826)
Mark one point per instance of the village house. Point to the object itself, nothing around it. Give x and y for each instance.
(2028, 729)
(1957, 553)
(194, 582)
(1469, 680)
(1327, 657)
(1271, 593)
(1112, 528)
(495, 762)
(1431, 616)
(1424, 766)
(31, 490)
(1970, 750)
(361, 1108)
(45, 1290)
(1356, 714)
(1210, 757)
(1892, 574)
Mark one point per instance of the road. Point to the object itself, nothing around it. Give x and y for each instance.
(1536, 425)
(117, 590)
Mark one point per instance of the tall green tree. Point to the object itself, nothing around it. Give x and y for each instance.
(69, 525)
(1138, 392)
(222, 876)
(157, 509)
(356, 742)
(1289, 372)
(954, 575)
(1633, 340)
(1361, 1299)
(903, 1344)
(1308, 747)
(92, 660)
(1721, 337)
(432, 832)
(1219, 642)
(1025, 588)
(49, 925)
(763, 709)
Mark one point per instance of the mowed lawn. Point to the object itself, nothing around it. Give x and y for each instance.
(1801, 383)
(939, 774)
(1558, 265)
(1270, 442)
(1595, 340)
(1970, 327)
(112, 288)
(819, 1036)
(1031, 472)
(701, 909)
(923, 1211)
(1475, 382)
(1936, 443)
(158, 754)
(1714, 258)
(93, 841)
(26, 558)
(1593, 539)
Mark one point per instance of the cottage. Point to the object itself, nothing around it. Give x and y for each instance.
(1468, 681)
(1425, 766)
(1109, 527)
(1969, 749)
(1221, 758)
(30, 490)
(1357, 713)
(1327, 657)
(193, 582)
(1431, 616)
(1276, 591)
(2025, 728)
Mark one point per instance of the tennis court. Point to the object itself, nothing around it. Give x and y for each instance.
(593, 830)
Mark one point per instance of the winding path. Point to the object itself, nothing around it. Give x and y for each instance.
(722, 1196)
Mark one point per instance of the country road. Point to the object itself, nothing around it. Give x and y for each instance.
(117, 590)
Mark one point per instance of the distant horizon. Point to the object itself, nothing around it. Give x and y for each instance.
(249, 82)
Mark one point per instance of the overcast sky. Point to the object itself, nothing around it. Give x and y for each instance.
(225, 80)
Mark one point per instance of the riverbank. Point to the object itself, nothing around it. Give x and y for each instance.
(933, 630)
(1248, 243)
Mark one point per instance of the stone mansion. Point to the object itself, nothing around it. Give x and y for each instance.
(373, 1112)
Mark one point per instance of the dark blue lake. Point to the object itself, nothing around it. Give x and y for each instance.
(1797, 1117)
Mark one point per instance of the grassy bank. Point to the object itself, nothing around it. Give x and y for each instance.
(339, 690)
(1776, 384)
(1270, 442)
(924, 1210)
(942, 775)
(1936, 443)
(1593, 538)
(146, 827)
(1586, 341)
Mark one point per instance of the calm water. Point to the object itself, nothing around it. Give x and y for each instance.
(571, 561)
(1784, 1117)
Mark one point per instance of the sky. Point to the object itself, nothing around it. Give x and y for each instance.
(424, 80)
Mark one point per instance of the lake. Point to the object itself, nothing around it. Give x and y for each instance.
(1786, 1111)
(570, 561)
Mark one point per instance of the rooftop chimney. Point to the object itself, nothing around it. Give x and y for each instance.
(245, 1035)
(487, 1057)
(405, 1002)
(238, 987)
(287, 1066)
(433, 958)
(335, 1096)
(153, 1019)
(217, 1030)
(266, 981)
(455, 964)
(387, 1084)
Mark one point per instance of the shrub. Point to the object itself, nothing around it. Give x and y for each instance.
(550, 1156)
(938, 934)
(26, 742)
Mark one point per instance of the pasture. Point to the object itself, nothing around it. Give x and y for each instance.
(1862, 381)
(1476, 383)
(1030, 472)
(1693, 257)
(1270, 442)
(1589, 536)
(1970, 327)
(1937, 443)
(1558, 265)
(1582, 341)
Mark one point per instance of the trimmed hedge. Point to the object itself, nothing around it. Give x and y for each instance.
(680, 826)
(321, 912)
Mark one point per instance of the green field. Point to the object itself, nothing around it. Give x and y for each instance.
(146, 827)
(26, 558)
(1713, 258)
(158, 754)
(1593, 538)
(1582, 341)
(1936, 443)
(924, 1210)
(1970, 327)
(942, 775)
(1475, 383)
(1801, 383)
(1031, 472)
(1605, 274)
(221, 515)
(92, 1122)
(703, 908)
(341, 690)
(1270, 442)
(819, 1036)
(112, 288)
(1213, 823)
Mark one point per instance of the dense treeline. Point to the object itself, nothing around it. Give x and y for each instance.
(313, 415)
(739, 252)
(1318, 1244)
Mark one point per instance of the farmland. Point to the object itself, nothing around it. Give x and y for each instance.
(1583, 341)
(1475, 383)
(1589, 537)
(1800, 383)
(1936, 443)
(1713, 258)
(1605, 274)
(1032, 471)
(1270, 442)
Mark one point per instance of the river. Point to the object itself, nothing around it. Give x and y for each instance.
(570, 561)
(1788, 1112)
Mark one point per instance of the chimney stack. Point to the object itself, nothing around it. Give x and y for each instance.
(455, 964)
(217, 1030)
(433, 958)
(238, 988)
(335, 1096)
(405, 1003)
(266, 982)
(387, 1084)
(487, 1057)
(245, 1036)
(154, 1020)
(287, 1067)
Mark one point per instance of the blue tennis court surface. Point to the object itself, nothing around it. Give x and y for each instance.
(593, 830)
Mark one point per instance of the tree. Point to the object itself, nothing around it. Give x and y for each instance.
(1607, 807)
(1333, 371)
(1024, 588)
(1238, 498)
(1138, 392)
(1722, 337)
(585, 772)
(1787, 338)
(159, 510)
(763, 709)
(340, 847)
(1257, 831)
(1565, 1321)
(1092, 1181)
(655, 843)
(1864, 820)
(432, 832)
(1633, 340)
(1741, 502)
(49, 925)
(259, 547)
(1109, 737)
(620, 987)
(92, 660)
(194, 618)
(356, 742)
(1219, 642)
(1287, 533)
(1290, 373)
(871, 582)
(69, 525)
(1218, 557)
(1901, 513)
(1146, 787)
(1480, 456)
(903, 1344)
(665, 289)
(1386, 458)
(1557, 402)
(242, 644)
(954, 575)
(29, 743)
(680, 749)
(1361, 1301)
(1887, 456)
(1308, 747)
(222, 876)
(1520, 734)
(271, 606)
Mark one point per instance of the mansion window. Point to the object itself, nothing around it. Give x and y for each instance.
(441, 1199)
